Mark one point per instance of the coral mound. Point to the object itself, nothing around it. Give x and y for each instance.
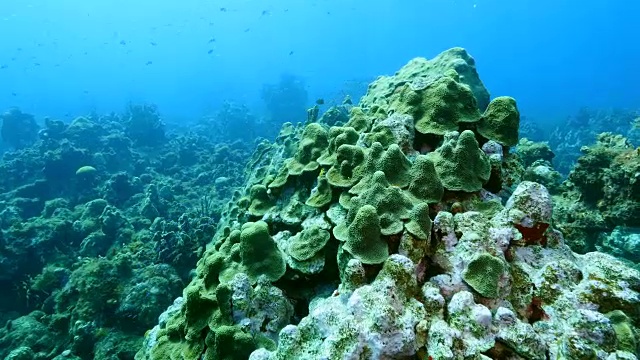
(396, 244)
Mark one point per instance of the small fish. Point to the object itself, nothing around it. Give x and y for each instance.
(265, 12)
(210, 52)
(212, 40)
(223, 9)
(320, 101)
(290, 53)
(247, 29)
(149, 62)
(14, 94)
(4, 66)
(122, 42)
(153, 43)
(86, 91)
(36, 64)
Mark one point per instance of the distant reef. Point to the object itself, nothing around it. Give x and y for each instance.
(102, 220)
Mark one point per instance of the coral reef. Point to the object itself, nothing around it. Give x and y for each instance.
(403, 227)
(98, 233)
(583, 128)
(18, 129)
(378, 241)
(601, 193)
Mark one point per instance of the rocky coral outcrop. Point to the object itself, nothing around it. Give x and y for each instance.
(410, 251)
(601, 193)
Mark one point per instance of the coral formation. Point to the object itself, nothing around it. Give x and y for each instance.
(501, 121)
(376, 267)
(601, 193)
(584, 127)
(98, 236)
(18, 129)
(400, 228)
(460, 163)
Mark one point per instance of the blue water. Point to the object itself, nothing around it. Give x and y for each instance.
(67, 57)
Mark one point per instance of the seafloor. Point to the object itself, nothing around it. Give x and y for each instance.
(418, 223)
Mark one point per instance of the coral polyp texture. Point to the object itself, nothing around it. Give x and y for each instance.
(401, 234)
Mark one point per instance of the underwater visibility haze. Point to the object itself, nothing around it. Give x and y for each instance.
(232, 180)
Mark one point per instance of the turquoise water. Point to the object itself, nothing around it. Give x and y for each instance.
(68, 57)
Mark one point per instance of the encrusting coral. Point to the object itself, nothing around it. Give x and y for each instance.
(357, 257)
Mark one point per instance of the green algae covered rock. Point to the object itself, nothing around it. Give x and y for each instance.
(346, 170)
(543, 173)
(308, 243)
(364, 240)
(419, 71)
(395, 166)
(441, 95)
(250, 250)
(425, 183)
(622, 242)
(601, 193)
(460, 163)
(19, 337)
(442, 105)
(321, 194)
(260, 202)
(391, 203)
(519, 335)
(483, 273)
(625, 334)
(259, 253)
(337, 136)
(501, 121)
(419, 224)
(349, 325)
(532, 151)
(392, 163)
(229, 343)
(359, 121)
(396, 129)
(314, 141)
